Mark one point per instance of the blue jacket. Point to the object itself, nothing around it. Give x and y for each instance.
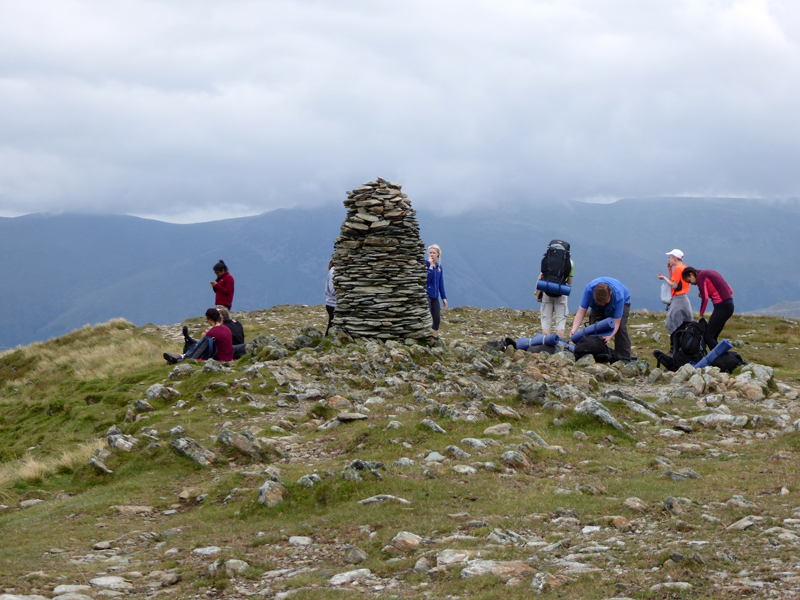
(620, 296)
(435, 285)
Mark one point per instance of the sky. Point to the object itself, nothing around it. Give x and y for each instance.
(194, 111)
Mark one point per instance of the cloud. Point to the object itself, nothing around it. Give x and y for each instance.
(172, 109)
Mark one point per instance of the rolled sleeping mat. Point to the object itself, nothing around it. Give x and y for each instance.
(537, 340)
(553, 289)
(718, 351)
(569, 347)
(600, 328)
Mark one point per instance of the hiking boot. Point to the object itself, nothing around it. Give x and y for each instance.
(172, 359)
(509, 342)
(186, 333)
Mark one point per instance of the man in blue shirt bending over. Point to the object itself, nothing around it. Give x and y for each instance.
(607, 297)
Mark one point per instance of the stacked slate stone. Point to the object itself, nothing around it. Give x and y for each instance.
(380, 266)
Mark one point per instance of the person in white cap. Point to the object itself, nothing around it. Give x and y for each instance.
(679, 309)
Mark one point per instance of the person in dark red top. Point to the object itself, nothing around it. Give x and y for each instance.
(223, 286)
(202, 350)
(712, 285)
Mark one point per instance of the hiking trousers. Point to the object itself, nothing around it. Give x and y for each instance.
(553, 305)
(716, 323)
(622, 341)
(436, 312)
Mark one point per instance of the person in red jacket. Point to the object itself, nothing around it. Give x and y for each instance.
(223, 286)
(202, 350)
(712, 285)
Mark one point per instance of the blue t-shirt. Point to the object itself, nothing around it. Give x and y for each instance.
(620, 296)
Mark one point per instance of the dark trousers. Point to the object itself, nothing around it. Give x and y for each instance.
(331, 310)
(716, 323)
(622, 341)
(436, 312)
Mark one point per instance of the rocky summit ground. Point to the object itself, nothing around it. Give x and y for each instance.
(329, 468)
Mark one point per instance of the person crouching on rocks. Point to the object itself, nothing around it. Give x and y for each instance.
(223, 286)
(435, 287)
(330, 296)
(216, 343)
(607, 297)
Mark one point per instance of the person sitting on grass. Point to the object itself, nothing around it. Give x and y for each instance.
(216, 343)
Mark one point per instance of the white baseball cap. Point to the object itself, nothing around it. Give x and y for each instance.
(676, 253)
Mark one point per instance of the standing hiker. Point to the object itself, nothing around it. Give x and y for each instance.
(712, 285)
(679, 309)
(607, 297)
(435, 287)
(223, 286)
(558, 268)
(330, 296)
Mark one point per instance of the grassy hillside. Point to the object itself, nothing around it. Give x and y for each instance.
(561, 521)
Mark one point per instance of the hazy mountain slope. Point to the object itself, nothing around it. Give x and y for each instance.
(782, 309)
(64, 271)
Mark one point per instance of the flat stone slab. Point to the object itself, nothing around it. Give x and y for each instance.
(111, 582)
(207, 551)
(349, 576)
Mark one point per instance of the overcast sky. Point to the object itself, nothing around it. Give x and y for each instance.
(201, 110)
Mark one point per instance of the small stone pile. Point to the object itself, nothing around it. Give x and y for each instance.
(380, 266)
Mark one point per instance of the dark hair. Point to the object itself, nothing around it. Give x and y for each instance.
(602, 294)
(688, 271)
(213, 314)
(220, 266)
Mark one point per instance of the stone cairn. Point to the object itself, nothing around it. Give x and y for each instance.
(380, 266)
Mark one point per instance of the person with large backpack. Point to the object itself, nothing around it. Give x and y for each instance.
(557, 267)
(679, 310)
(216, 343)
(712, 285)
(607, 297)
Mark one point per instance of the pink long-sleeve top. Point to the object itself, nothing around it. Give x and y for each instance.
(712, 285)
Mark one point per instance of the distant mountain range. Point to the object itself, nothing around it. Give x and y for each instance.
(64, 271)
(790, 310)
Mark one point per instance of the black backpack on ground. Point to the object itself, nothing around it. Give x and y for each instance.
(597, 348)
(728, 362)
(556, 264)
(688, 346)
(541, 349)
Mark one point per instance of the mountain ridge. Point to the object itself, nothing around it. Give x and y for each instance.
(72, 269)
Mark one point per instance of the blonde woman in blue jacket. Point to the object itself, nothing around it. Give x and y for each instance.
(435, 286)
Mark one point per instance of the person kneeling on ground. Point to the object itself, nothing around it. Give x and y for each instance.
(607, 297)
(222, 342)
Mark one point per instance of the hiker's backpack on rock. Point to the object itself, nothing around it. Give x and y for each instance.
(597, 348)
(688, 346)
(556, 263)
(728, 362)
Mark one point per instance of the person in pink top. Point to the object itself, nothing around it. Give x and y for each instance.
(713, 286)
